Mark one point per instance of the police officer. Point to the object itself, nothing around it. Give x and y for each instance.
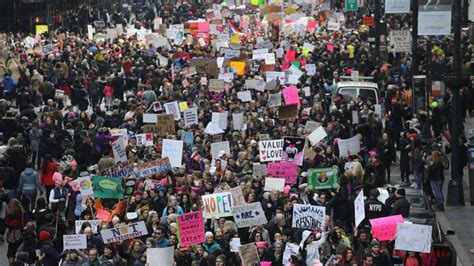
(390, 200)
(374, 208)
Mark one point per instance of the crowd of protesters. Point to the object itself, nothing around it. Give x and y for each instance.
(50, 141)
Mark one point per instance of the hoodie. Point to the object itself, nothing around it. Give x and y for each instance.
(28, 180)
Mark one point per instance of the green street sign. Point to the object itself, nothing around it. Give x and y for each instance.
(351, 5)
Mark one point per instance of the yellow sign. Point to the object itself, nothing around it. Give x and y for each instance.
(235, 38)
(183, 106)
(239, 66)
(40, 29)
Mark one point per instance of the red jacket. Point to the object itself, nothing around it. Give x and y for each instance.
(108, 91)
(47, 174)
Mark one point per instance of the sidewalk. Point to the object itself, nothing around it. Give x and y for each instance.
(459, 219)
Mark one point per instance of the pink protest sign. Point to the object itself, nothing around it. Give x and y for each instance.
(284, 170)
(102, 215)
(290, 55)
(385, 228)
(285, 65)
(191, 228)
(203, 26)
(312, 25)
(290, 95)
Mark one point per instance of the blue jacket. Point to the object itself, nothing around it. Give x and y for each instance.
(9, 84)
(28, 181)
(162, 244)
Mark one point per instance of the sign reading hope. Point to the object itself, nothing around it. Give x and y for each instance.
(217, 205)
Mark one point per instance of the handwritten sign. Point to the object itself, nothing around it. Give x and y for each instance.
(164, 126)
(217, 147)
(248, 254)
(270, 150)
(413, 237)
(217, 205)
(190, 117)
(316, 136)
(274, 184)
(160, 256)
(359, 210)
(173, 149)
(124, 232)
(385, 228)
(308, 216)
(249, 214)
(284, 170)
(78, 241)
(259, 169)
(191, 228)
(348, 147)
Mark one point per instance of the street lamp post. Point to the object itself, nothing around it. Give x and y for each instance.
(456, 81)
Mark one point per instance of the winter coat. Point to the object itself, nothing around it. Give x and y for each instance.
(52, 256)
(35, 137)
(47, 174)
(28, 181)
(401, 206)
(9, 84)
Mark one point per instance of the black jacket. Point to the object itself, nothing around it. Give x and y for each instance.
(401, 206)
(373, 209)
(52, 255)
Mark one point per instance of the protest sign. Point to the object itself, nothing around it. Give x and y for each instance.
(217, 205)
(333, 25)
(259, 169)
(216, 85)
(397, 6)
(274, 100)
(164, 126)
(85, 185)
(78, 241)
(293, 150)
(238, 121)
(150, 118)
(290, 250)
(118, 148)
(124, 232)
(244, 96)
(173, 149)
(220, 119)
(155, 167)
(316, 136)
(144, 139)
(191, 228)
(323, 178)
(270, 59)
(216, 147)
(190, 117)
(259, 54)
(291, 96)
(103, 215)
(160, 256)
(310, 69)
(311, 126)
(235, 244)
(399, 41)
(413, 237)
(274, 184)
(48, 49)
(248, 215)
(284, 170)
(120, 170)
(434, 22)
(173, 109)
(270, 150)
(348, 147)
(287, 112)
(237, 195)
(130, 185)
(188, 138)
(248, 254)
(385, 228)
(359, 209)
(107, 188)
(308, 216)
(94, 225)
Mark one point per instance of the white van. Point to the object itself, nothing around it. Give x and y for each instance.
(352, 89)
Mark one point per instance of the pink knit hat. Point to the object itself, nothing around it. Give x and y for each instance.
(57, 178)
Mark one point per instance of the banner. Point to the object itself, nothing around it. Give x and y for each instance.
(413, 237)
(385, 228)
(160, 256)
(248, 254)
(359, 208)
(156, 167)
(324, 178)
(217, 205)
(308, 216)
(348, 147)
(94, 225)
(163, 126)
(399, 41)
(248, 215)
(191, 228)
(397, 6)
(74, 241)
(270, 150)
(284, 170)
(107, 188)
(274, 184)
(85, 185)
(124, 232)
(120, 170)
(173, 149)
(293, 148)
